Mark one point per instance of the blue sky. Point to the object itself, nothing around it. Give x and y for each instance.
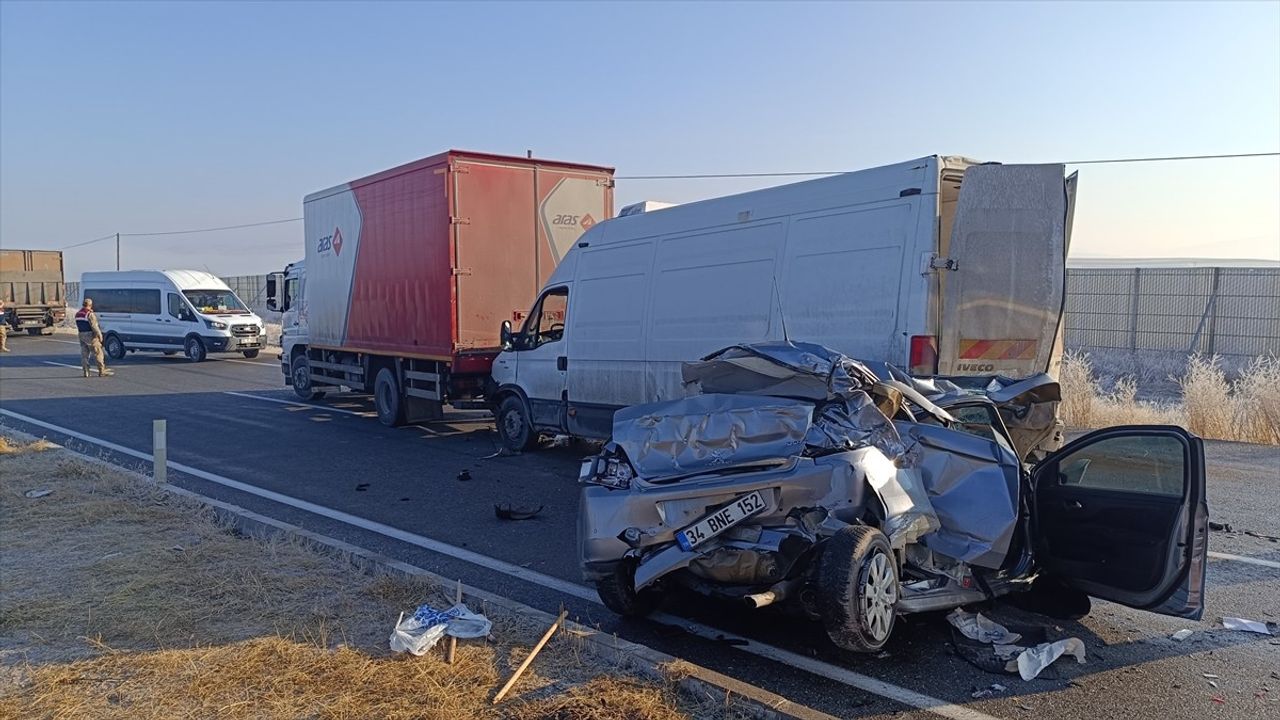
(152, 116)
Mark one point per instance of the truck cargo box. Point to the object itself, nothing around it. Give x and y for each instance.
(427, 259)
(31, 285)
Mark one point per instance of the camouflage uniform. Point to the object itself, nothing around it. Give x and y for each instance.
(90, 341)
(4, 329)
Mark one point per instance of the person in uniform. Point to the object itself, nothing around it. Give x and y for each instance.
(90, 339)
(4, 329)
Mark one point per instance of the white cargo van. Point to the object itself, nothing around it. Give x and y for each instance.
(171, 311)
(941, 265)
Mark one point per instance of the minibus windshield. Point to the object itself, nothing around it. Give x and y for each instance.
(215, 301)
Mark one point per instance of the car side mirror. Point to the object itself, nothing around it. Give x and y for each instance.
(504, 335)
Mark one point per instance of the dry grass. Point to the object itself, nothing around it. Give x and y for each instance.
(122, 600)
(1246, 409)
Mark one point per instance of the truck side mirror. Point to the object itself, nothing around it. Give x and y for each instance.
(505, 335)
(271, 290)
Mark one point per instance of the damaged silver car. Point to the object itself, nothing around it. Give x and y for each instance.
(856, 493)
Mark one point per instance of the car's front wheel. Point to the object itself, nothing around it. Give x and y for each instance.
(858, 588)
(514, 428)
(250, 354)
(617, 591)
(195, 349)
(300, 379)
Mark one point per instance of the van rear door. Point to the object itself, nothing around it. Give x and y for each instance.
(1002, 303)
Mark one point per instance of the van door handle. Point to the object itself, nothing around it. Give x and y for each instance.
(1072, 505)
(562, 363)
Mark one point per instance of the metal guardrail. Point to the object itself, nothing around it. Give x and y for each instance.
(1227, 311)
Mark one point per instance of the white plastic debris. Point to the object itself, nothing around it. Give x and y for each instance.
(420, 632)
(1253, 626)
(987, 692)
(1182, 634)
(975, 626)
(42, 492)
(1034, 660)
(1008, 652)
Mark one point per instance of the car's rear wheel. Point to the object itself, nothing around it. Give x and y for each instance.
(858, 588)
(114, 347)
(387, 400)
(617, 591)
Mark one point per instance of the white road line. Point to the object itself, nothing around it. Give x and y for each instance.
(300, 404)
(1245, 559)
(50, 362)
(69, 342)
(817, 667)
(275, 366)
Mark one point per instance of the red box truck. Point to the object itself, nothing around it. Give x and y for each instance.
(409, 274)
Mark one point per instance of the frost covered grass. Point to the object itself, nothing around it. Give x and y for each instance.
(1209, 403)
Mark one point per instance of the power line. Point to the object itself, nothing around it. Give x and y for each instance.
(212, 229)
(702, 176)
(88, 242)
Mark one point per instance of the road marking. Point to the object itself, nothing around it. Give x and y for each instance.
(301, 404)
(69, 342)
(1245, 559)
(73, 367)
(253, 362)
(854, 679)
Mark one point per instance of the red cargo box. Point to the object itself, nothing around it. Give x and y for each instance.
(427, 259)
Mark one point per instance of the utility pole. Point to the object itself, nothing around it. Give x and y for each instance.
(117, 251)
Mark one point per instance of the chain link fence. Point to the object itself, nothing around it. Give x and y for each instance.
(1228, 311)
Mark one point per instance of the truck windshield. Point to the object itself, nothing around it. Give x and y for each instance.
(215, 301)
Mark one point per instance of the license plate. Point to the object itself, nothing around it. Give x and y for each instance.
(717, 522)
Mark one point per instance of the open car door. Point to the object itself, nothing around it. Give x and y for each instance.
(1121, 515)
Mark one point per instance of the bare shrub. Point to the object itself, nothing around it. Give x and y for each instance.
(1257, 395)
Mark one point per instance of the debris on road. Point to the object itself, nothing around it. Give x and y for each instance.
(39, 493)
(989, 691)
(976, 626)
(465, 475)
(1182, 634)
(426, 626)
(1033, 661)
(1253, 626)
(1220, 527)
(362, 487)
(507, 511)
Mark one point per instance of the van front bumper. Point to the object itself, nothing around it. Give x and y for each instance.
(220, 343)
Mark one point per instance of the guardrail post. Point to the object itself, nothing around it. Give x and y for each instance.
(159, 451)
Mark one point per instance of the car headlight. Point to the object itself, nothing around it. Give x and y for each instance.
(215, 324)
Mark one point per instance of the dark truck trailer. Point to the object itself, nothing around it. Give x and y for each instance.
(32, 287)
(410, 273)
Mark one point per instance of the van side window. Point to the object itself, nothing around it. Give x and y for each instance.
(178, 309)
(546, 322)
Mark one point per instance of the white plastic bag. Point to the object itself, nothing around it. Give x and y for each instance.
(414, 636)
(976, 626)
(421, 631)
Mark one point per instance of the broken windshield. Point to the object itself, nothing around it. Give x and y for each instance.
(215, 301)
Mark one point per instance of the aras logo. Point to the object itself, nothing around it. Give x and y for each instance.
(584, 222)
(330, 242)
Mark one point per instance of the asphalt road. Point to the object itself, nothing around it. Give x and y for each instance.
(336, 471)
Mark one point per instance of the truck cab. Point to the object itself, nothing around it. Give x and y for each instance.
(286, 294)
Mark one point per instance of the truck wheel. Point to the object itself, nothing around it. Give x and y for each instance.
(194, 349)
(618, 592)
(387, 400)
(513, 426)
(114, 347)
(858, 588)
(300, 378)
(250, 354)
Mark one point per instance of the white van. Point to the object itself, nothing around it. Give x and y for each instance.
(171, 310)
(940, 265)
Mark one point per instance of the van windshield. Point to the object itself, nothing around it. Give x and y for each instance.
(215, 301)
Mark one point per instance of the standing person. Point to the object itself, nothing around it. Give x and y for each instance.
(90, 339)
(4, 328)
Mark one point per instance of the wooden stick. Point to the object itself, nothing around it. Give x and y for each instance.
(529, 659)
(453, 641)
